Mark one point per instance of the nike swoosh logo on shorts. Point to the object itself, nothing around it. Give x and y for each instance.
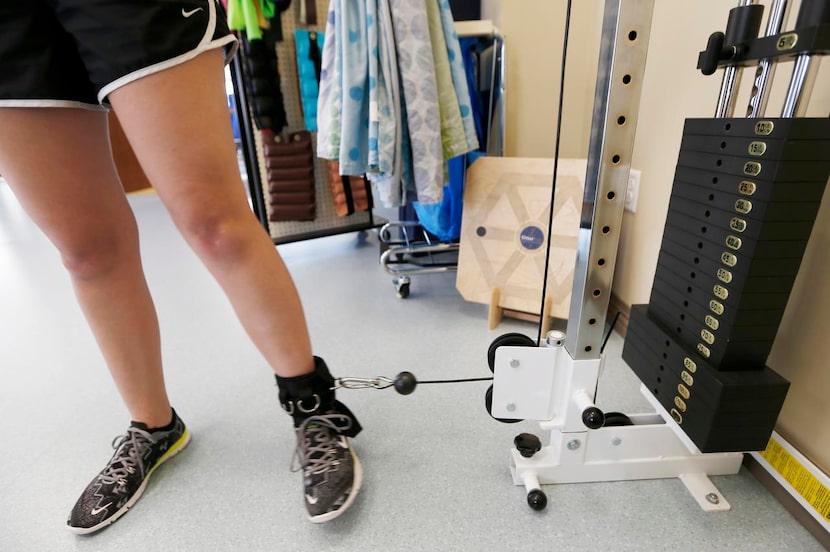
(191, 12)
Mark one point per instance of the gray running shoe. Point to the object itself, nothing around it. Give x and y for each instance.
(331, 471)
(120, 484)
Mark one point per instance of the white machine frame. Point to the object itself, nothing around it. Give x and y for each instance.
(556, 382)
(547, 384)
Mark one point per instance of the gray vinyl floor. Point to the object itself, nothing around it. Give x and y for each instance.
(436, 465)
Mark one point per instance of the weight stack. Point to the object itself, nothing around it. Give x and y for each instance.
(744, 199)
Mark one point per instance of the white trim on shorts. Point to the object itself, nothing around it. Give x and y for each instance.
(53, 103)
(204, 45)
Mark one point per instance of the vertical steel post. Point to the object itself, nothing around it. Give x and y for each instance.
(729, 85)
(626, 28)
(801, 86)
(766, 67)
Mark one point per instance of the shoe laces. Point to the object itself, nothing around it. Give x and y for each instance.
(130, 450)
(318, 443)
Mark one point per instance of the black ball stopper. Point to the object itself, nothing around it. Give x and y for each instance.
(593, 418)
(405, 383)
(537, 500)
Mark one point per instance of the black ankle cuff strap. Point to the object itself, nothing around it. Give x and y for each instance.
(301, 406)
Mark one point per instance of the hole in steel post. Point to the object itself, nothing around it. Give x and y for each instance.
(606, 229)
(697, 260)
(588, 349)
(682, 317)
(719, 162)
(592, 321)
(601, 262)
(711, 197)
(702, 229)
(685, 303)
(615, 159)
(723, 145)
(715, 180)
(621, 120)
(611, 195)
(632, 36)
(597, 293)
(727, 127)
(626, 79)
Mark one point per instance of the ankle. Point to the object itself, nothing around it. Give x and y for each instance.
(309, 394)
(312, 395)
(156, 423)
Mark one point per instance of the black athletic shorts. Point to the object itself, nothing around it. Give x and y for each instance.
(73, 53)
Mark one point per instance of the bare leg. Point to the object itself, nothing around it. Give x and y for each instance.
(59, 165)
(178, 124)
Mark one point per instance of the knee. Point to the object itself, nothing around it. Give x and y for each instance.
(216, 237)
(95, 257)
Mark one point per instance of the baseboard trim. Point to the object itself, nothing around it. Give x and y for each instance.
(618, 306)
(786, 495)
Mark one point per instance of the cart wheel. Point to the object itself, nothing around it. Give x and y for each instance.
(488, 404)
(401, 286)
(537, 500)
(509, 339)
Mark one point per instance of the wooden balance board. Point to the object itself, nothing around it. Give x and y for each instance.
(501, 259)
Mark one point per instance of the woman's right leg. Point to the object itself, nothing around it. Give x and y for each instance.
(58, 163)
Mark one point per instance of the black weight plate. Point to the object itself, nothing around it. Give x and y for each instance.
(713, 243)
(704, 289)
(750, 210)
(778, 171)
(767, 127)
(713, 273)
(753, 188)
(757, 147)
(746, 268)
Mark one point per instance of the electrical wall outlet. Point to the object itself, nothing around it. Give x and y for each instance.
(632, 192)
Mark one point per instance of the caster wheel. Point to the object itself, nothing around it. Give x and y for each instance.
(509, 339)
(537, 500)
(403, 291)
(488, 404)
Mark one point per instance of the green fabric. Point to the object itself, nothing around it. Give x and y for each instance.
(453, 137)
(242, 16)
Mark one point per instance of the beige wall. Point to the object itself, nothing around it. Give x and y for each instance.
(534, 31)
(673, 90)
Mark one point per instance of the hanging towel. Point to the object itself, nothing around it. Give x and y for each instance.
(459, 76)
(329, 96)
(309, 45)
(355, 74)
(420, 91)
(453, 137)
